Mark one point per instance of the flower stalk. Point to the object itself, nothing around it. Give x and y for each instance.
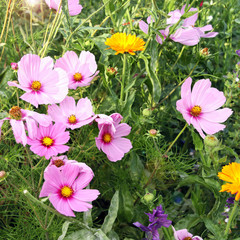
(123, 77)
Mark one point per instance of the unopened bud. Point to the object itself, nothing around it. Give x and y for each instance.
(148, 197)
(211, 141)
(111, 71)
(204, 52)
(153, 132)
(2, 174)
(14, 66)
(146, 112)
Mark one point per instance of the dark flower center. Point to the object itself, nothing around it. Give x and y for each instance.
(58, 163)
(15, 113)
(196, 110)
(107, 137)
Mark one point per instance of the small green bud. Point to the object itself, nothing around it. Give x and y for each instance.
(146, 112)
(153, 132)
(148, 197)
(2, 174)
(211, 141)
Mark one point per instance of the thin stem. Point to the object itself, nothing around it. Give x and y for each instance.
(123, 76)
(233, 212)
(5, 20)
(165, 153)
(44, 206)
(31, 30)
(45, 36)
(31, 164)
(179, 56)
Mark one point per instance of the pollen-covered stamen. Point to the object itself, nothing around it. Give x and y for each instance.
(72, 119)
(187, 238)
(58, 163)
(15, 113)
(107, 137)
(195, 111)
(66, 191)
(36, 85)
(47, 141)
(77, 77)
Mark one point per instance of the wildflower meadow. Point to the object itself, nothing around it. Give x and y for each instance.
(120, 120)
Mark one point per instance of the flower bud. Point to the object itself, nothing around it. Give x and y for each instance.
(148, 197)
(153, 132)
(146, 112)
(211, 141)
(14, 66)
(204, 52)
(111, 71)
(2, 174)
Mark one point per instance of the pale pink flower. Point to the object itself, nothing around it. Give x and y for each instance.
(21, 120)
(81, 70)
(110, 139)
(74, 7)
(199, 106)
(64, 187)
(184, 234)
(42, 84)
(186, 34)
(50, 140)
(72, 115)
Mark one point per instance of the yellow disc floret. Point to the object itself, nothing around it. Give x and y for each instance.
(187, 238)
(66, 191)
(121, 43)
(77, 77)
(196, 110)
(15, 113)
(36, 85)
(72, 119)
(107, 138)
(47, 141)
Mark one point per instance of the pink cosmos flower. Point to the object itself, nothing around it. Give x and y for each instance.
(21, 119)
(70, 115)
(74, 7)
(110, 139)
(49, 140)
(42, 84)
(184, 234)
(186, 34)
(14, 66)
(65, 189)
(199, 106)
(81, 70)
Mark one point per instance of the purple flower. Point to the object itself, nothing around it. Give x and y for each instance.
(230, 200)
(238, 52)
(157, 219)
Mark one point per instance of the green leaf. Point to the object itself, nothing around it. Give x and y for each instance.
(113, 235)
(156, 86)
(112, 214)
(188, 14)
(80, 235)
(126, 113)
(136, 166)
(126, 207)
(197, 141)
(64, 230)
(213, 228)
(100, 235)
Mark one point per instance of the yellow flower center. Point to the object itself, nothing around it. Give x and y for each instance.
(58, 163)
(195, 111)
(77, 77)
(15, 113)
(47, 141)
(187, 238)
(36, 85)
(66, 191)
(72, 119)
(107, 138)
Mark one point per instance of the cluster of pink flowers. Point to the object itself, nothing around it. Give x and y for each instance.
(186, 33)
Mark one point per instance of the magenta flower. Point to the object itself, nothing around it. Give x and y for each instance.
(42, 84)
(70, 115)
(199, 106)
(74, 7)
(81, 70)
(183, 234)
(49, 140)
(238, 52)
(65, 189)
(14, 66)
(110, 139)
(21, 119)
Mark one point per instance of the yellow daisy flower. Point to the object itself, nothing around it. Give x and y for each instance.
(121, 43)
(231, 173)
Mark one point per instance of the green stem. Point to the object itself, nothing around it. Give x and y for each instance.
(233, 212)
(123, 77)
(165, 153)
(179, 56)
(5, 20)
(39, 203)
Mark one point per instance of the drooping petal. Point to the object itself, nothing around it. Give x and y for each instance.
(78, 205)
(123, 144)
(122, 129)
(19, 131)
(210, 127)
(186, 87)
(220, 115)
(143, 26)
